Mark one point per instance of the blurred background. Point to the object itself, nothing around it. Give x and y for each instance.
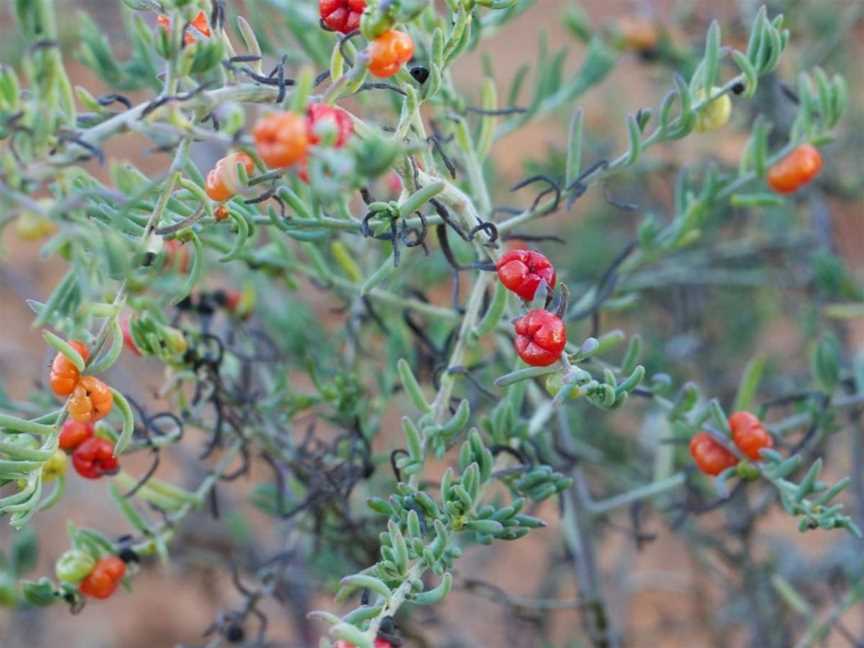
(708, 321)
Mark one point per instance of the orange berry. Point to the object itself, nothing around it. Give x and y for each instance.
(710, 456)
(795, 170)
(749, 434)
(222, 180)
(102, 582)
(389, 52)
(64, 375)
(91, 400)
(281, 139)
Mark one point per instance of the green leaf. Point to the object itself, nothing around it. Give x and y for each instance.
(412, 387)
(574, 148)
(363, 581)
(352, 635)
(749, 384)
(712, 57)
(751, 76)
(634, 140)
(825, 362)
(24, 552)
(128, 422)
(435, 595)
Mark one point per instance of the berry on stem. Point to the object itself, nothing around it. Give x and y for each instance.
(95, 458)
(199, 23)
(540, 338)
(74, 434)
(128, 340)
(222, 180)
(64, 375)
(319, 113)
(638, 33)
(342, 16)
(281, 139)
(389, 52)
(523, 272)
(176, 255)
(320, 116)
(73, 566)
(91, 400)
(379, 643)
(710, 456)
(33, 227)
(795, 170)
(102, 582)
(749, 435)
(715, 114)
(55, 466)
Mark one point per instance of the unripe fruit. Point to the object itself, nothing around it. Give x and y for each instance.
(73, 566)
(715, 114)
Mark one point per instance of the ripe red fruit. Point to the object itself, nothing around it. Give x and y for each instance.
(74, 434)
(389, 52)
(710, 457)
(95, 458)
(523, 271)
(319, 112)
(104, 579)
(795, 170)
(749, 435)
(540, 338)
(379, 643)
(341, 15)
(128, 340)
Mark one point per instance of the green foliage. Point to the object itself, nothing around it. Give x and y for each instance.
(255, 371)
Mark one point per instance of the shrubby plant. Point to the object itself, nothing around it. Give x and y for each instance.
(352, 165)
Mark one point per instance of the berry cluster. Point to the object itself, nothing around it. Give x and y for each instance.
(89, 398)
(540, 335)
(748, 435)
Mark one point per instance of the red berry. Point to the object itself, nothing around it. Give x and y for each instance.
(379, 643)
(710, 456)
(128, 340)
(749, 435)
(74, 434)
(104, 579)
(523, 271)
(540, 338)
(318, 113)
(232, 300)
(341, 15)
(95, 458)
